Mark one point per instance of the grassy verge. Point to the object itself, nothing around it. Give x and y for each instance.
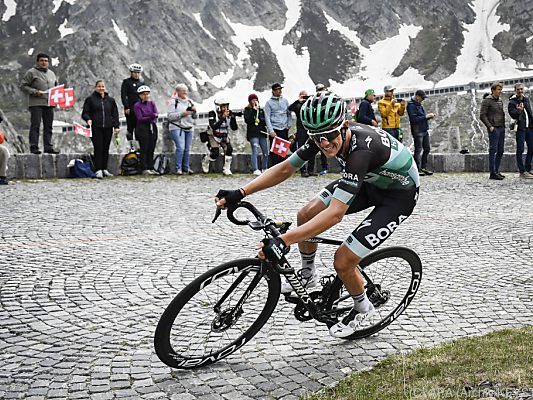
(497, 366)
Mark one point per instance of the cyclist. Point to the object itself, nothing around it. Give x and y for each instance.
(378, 171)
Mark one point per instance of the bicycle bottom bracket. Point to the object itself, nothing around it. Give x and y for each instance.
(301, 313)
(225, 320)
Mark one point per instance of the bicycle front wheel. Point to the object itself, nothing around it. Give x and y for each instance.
(392, 277)
(216, 314)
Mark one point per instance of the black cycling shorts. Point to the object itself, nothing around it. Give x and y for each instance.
(391, 208)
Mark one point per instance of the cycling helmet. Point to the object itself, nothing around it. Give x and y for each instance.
(143, 89)
(220, 102)
(323, 113)
(135, 68)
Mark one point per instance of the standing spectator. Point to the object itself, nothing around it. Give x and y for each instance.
(492, 115)
(520, 110)
(419, 128)
(146, 129)
(36, 83)
(130, 96)
(100, 111)
(391, 110)
(278, 119)
(4, 156)
(323, 159)
(181, 114)
(256, 133)
(365, 113)
(301, 134)
(220, 122)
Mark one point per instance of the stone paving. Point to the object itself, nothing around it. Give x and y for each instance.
(87, 267)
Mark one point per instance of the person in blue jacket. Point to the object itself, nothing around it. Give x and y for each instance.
(419, 128)
(365, 114)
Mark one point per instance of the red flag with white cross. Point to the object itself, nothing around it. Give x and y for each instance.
(81, 130)
(56, 95)
(280, 146)
(68, 98)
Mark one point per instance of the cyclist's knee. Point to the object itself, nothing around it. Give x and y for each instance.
(345, 260)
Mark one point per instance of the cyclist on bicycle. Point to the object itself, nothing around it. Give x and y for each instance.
(378, 171)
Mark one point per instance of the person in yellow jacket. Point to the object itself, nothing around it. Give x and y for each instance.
(391, 109)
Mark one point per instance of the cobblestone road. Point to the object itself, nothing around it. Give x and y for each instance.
(87, 267)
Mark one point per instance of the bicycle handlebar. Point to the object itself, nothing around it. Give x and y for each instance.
(264, 221)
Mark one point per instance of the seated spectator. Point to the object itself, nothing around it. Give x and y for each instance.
(181, 114)
(4, 156)
(256, 133)
(146, 130)
(365, 113)
(100, 111)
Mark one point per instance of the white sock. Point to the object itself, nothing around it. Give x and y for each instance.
(308, 264)
(361, 303)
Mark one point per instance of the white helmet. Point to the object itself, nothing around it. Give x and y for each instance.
(219, 102)
(143, 88)
(135, 68)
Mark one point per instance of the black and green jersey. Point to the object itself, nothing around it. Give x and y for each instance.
(373, 156)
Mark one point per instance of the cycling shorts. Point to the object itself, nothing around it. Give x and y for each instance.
(391, 208)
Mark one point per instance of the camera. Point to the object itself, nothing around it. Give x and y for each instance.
(235, 113)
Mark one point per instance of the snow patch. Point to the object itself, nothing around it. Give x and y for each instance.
(57, 4)
(55, 61)
(198, 19)
(529, 39)
(33, 30)
(11, 10)
(120, 33)
(30, 51)
(479, 60)
(63, 30)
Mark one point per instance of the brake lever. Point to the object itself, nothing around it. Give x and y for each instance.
(217, 214)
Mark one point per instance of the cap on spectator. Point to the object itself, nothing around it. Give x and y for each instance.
(2, 137)
(319, 87)
(388, 88)
(420, 93)
(369, 92)
(276, 86)
(253, 96)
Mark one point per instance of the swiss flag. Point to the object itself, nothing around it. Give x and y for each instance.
(81, 130)
(68, 98)
(353, 108)
(56, 95)
(280, 146)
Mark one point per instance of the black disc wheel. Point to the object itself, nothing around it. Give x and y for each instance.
(392, 277)
(216, 314)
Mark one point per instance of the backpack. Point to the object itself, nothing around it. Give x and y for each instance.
(80, 169)
(131, 163)
(161, 164)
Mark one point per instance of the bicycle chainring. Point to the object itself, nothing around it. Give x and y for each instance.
(301, 313)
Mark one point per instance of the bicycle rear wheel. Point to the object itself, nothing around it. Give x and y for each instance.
(392, 279)
(216, 314)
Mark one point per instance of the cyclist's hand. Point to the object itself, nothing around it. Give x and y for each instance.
(273, 249)
(227, 197)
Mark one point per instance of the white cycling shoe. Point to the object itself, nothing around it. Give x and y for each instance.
(349, 324)
(309, 283)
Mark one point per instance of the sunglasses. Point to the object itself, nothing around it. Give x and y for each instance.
(329, 136)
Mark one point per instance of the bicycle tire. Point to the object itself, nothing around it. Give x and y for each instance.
(384, 315)
(197, 300)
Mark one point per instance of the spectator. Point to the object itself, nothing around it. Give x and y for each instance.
(365, 113)
(323, 159)
(278, 119)
(100, 111)
(4, 156)
(36, 83)
(256, 133)
(220, 122)
(419, 128)
(146, 129)
(301, 134)
(130, 96)
(492, 115)
(520, 110)
(181, 114)
(391, 111)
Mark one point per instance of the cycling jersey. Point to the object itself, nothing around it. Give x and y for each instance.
(373, 156)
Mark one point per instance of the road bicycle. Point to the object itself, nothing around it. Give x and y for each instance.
(222, 310)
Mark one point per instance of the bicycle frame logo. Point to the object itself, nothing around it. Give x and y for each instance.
(296, 285)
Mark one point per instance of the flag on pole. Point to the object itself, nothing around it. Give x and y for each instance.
(56, 95)
(81, 130)
(68, 98)
(280, 146)
(353, 108)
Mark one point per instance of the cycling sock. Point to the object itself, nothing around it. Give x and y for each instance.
(308, 264)
(361, 303)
